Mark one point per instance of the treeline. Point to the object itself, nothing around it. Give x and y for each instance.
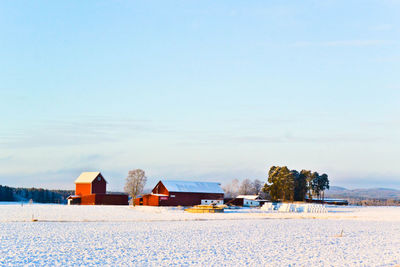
(246, 187)
(291, 185)
(6, 193)
(373, 202)
(38, 195)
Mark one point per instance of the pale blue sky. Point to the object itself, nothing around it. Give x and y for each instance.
(201, 90)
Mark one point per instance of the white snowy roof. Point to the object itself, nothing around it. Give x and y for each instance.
(251, 197)
(159, 195)
(74, 196)
(192, 187)
(87, 177)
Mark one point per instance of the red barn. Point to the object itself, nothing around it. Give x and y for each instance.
(183, 193)
(90, 183)
(90, 189)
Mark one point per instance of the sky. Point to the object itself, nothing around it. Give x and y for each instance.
(199, 90)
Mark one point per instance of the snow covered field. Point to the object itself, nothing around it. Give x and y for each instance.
(143, 236)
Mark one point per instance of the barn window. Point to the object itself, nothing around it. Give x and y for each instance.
(172, 195)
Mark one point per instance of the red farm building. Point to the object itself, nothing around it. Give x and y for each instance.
(183, 193)
(90, 189)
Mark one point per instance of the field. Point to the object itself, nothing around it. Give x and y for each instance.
(110, 235)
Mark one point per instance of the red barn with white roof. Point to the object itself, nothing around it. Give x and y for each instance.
(90, 183)
(183, 193)
(90, 189)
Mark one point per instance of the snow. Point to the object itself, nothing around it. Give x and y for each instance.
(287, 207)
(149, 236)
(64, 213)
(192, 187)
(251, 197)
(87, 177)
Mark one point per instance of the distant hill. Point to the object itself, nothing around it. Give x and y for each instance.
(371, 193)
(336, 188)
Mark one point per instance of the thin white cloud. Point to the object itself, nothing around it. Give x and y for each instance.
(382, 27)
(78, 132)
(307, 139)
(344, 43)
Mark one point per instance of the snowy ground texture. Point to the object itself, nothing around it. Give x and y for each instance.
(108, 235)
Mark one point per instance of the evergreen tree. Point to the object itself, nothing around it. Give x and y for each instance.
(288, 185)
(281, 183)
(300, 188)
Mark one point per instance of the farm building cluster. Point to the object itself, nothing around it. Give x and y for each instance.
(91, 189)
(183, 193)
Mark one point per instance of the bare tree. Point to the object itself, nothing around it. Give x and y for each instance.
(257, 186)
(246, 188)
(231, 189)
(135, 183)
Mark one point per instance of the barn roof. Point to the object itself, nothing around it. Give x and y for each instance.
(74, 196)
(87, 177)
(192, 187)
(250, 197)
